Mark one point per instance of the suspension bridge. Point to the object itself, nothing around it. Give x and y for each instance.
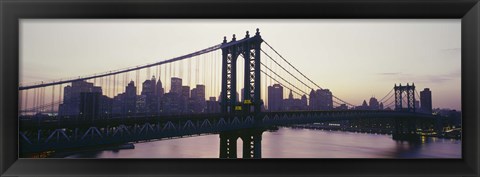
(217, 90)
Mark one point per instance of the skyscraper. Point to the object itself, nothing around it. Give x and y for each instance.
(130, 98)
(312, 102)
(304, 102)
(176, 86)
(186, 92)
(150, 100)
(160, 92)
(426, 100)
(275, 97)
(90, 105)
(325, 99)
(72, 97)
(373, 104)
(198, 98)
(212, 105)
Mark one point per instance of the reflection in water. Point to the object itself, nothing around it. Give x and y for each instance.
(293, 143)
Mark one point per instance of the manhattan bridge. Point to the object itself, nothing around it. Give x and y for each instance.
(114, 108)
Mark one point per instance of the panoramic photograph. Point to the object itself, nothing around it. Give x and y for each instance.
(238, 88)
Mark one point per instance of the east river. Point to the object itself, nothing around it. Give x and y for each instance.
(292, 143)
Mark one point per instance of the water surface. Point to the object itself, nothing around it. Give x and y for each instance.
(292, 143)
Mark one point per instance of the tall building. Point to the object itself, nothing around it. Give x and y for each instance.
(374, 105)
(176, 85)
(304, 102)
(172, 103)
(292, 104)
(160, 92)
(198, 103)
(312, 102)
(186, 98)
(364, 106)
(90, 105)
(130, 98)
(148, 87)
(150, 100)
(325, 99)
(186, 92)
(141, 104)
(212, 105)
(72, 97)
(275, 97)
(426, 100)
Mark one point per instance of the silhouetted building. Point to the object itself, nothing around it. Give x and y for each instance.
(186, 91)
(212, 105)
(71, 97)
(150, 100)
(198, 103)
(342, 107)
(325, 99)
(186, 98)
(160, 92)
(275, 97)
(364, 106)
(292, 104)
(130, 98)
(106, 104)
(374, 105)
(176, 85)
(90, 105)
(173, 103)
(126, 103)
(313, 99)
(426, 100)
(304, 102)
(141, 104)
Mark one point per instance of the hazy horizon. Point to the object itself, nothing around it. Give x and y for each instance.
(355, 59)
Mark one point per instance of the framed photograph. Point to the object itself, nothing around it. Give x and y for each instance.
(314, 88)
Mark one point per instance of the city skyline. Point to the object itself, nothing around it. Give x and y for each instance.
(444, 81)
(154, 99)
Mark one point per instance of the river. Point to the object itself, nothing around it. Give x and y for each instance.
(292, 143)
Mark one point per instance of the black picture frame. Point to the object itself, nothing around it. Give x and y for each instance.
(13, 10)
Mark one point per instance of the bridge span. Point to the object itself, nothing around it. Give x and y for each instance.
(59, 134)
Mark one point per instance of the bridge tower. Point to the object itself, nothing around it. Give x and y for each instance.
(249, 48)
(409, 92)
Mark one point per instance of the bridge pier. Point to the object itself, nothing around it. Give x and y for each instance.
(251, 139)
(252, 144)
(228, 145)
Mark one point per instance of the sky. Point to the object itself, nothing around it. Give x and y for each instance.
(355, 59)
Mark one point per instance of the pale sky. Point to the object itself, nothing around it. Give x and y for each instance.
(355, 59)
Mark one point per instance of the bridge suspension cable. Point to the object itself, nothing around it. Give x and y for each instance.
(298, 72)
(390, 104)
(114, 72)
(279, 77)
(283, 85)
(391, 96)
(386, 95)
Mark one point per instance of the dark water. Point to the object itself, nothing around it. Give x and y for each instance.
(293, 143)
